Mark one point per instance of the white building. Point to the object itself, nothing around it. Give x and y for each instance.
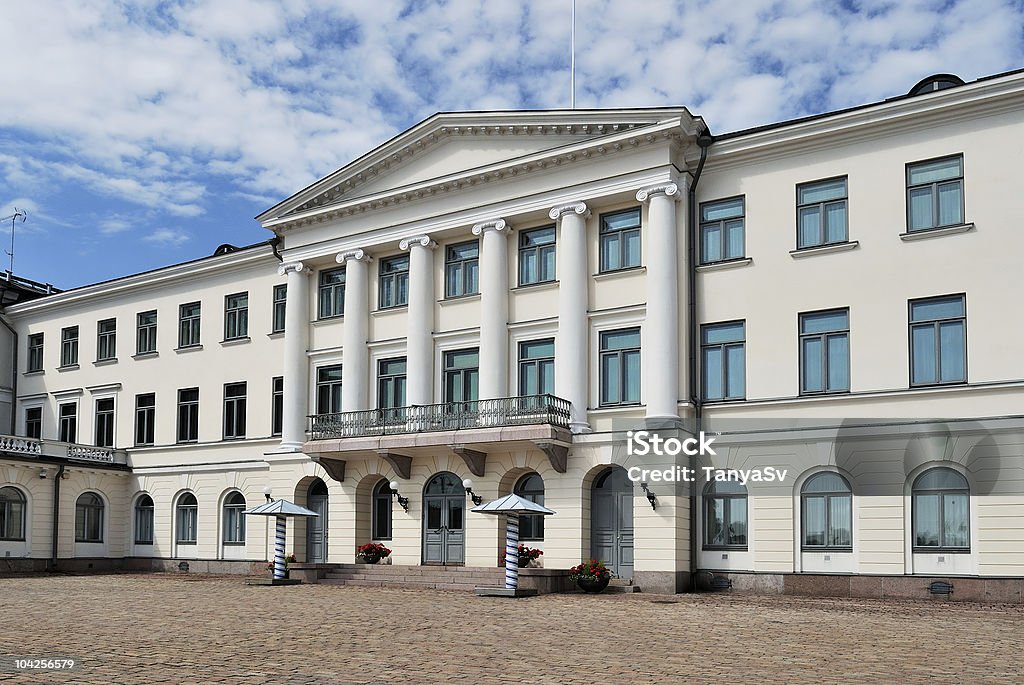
(500, 296)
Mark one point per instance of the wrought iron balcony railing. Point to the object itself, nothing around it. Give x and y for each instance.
(51, 448)
(507, 411)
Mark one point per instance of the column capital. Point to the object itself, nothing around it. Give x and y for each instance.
(496, 225)
(421, 240)
(669, 190)
(573, 207)
(288, 267)
(352, 255)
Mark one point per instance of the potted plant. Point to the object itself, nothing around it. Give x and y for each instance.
(372, 552)
(287, 560)
(590, 576)
(526, 556)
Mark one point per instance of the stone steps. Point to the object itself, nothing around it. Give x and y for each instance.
(465, 578)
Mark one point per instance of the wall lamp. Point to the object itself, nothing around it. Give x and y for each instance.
(468, 484)
(42, 473)
(266, 493)
(650, 496)
(404, 501)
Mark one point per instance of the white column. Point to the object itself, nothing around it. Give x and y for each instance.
(493, 308)
(296, 365)
(571, 344)
(420, 330)
(661, 334)
(355, 358)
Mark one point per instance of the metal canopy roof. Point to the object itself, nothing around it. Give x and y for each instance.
(512, 504)
(280, 507)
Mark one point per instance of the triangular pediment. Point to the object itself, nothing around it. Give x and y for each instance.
(449, 144)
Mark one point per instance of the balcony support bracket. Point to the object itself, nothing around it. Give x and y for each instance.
(475, 461)
(399, 462)
(335, 468)
(558, 454)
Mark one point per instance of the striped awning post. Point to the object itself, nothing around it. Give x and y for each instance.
(279, 547)
(512, 552)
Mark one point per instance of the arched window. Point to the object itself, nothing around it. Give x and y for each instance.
(826, 504)
(725, 515)
(381, 524)
(144, 520)
(187, 518)
(941, 508)
(12, 514)
(234, 520)
(531, 487)
(89, 518)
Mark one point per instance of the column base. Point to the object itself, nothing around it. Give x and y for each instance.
(665, 422)
(577, 427)
(286, 448)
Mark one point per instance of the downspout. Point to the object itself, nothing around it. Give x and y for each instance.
(14, 377)
(274, 243)
(704, 141)
(56, 516)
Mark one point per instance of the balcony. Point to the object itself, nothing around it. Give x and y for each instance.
(537, 421)
(50, 449)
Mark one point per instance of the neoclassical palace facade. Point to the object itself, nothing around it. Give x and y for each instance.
(503, 296)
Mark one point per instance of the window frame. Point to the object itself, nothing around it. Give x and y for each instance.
(145, 420)
(67, 423)
(186, 519)
(531, 526)
(276, 406)
(721, 224)
(233, 528)
(469, 283)
(604, 230)
(104, 422)
(89, 519)
(7, 515)
(106, 340)
(235, 405)
(709, 498)
(960, 180)
(824, 337)
(395, 278)
(190, 325)
(236, 316)
(69, 336)
(332, 387)
(36, 421)
(623, 368)
(449, 371)
(828, 496)
(144, 511)
(725, 361)
(822, 228)
(392, 384)
(335, 292)
(381, 493)
(935, 323)
(279, 308)
(189, 411)
(941, 548)
(535, 366)
(538, 251)
(145, 332)
(34, 358)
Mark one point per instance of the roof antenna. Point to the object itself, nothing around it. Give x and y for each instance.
(18, 214)
(572, 59)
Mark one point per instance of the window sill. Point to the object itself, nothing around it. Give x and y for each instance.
(146, 355)
(826, 550)
(384, 311)
(274, 335)
(471, 297)
(69, 367)
(105, 362)
(824, 249)
(939, 550)
(615, 409)
(926, 233)
(235, 341)
(232, 438)
(724, 548)
(948, 384)
(188, 348)
(726, 264)
(37, 372)
(327, 320)
(628, 271)
(723, 400)
(234, 544)
(541, 285)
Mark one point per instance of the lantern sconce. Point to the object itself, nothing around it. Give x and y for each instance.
(266, 493)
(650, 496)
(477, 499)
(403, 501)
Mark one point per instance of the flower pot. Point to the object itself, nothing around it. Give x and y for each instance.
(370, 558)
(592, 583)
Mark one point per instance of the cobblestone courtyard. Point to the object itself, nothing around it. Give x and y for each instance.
(196, 629)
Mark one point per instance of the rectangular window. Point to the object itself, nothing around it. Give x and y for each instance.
(391, 383)
(280, 301)
(234, 411)
(189, 320)
(277, 406)
(145, 419)
(188, 415)
(462, 269)
(332, 293)
(144, 515)
(69, 346)
(236, 316)
(620, 240)
(328, 389)
(620, 367)
(537, 255)
(537, 367)
(821, 213)
(35, 352)
(935, 193)
(106, 339)
(34, 422)
(145, 333)
(938, 340)
(462, 376)
(723, 360)
(105, 422)
(721, 230)
(68, 415)
(393, 288)
(825, 352)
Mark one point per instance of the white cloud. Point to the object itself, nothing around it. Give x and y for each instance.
(168, 237)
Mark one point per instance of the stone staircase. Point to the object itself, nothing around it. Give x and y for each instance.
(619, 585)
(466, 578)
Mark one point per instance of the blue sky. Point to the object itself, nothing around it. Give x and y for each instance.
(143, 134)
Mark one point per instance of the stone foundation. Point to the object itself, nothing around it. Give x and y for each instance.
(662, 582)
